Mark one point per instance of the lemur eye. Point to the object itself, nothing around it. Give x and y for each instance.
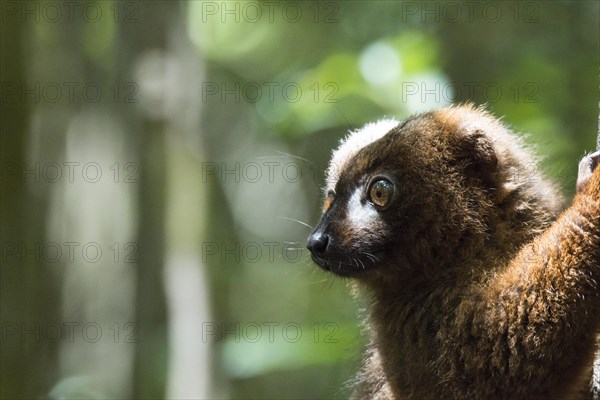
(381, 192)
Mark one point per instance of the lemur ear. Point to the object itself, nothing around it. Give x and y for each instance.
(476, 155)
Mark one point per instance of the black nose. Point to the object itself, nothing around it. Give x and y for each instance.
(317, 243)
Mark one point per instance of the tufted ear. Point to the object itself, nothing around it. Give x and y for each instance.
(476, 155)
(469, 131)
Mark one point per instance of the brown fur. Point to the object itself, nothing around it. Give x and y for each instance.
(479, 290)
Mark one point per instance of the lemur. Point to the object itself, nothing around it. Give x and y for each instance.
(480, 289)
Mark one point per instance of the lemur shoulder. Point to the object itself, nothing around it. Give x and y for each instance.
(480, 287)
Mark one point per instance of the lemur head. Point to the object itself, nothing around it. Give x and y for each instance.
(419, 196)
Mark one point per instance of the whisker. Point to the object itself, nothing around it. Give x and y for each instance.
(331, 281)
(293, 248)
(370, 256)
(295, 220)
(287, 155)
(294, 156)
(338, 109)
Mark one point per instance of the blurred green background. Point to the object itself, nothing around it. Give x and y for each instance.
(161, 161)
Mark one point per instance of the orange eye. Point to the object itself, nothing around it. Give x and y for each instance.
(381, 192)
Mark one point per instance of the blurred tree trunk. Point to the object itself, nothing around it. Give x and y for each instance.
(150, 363)
(29, 294)
(151, 318)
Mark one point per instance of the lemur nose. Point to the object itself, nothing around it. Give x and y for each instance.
(317, 243)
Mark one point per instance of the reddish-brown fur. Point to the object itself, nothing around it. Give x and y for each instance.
(481, 292)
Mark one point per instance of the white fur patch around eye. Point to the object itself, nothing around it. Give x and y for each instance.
(352, 144)
(361, 216)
